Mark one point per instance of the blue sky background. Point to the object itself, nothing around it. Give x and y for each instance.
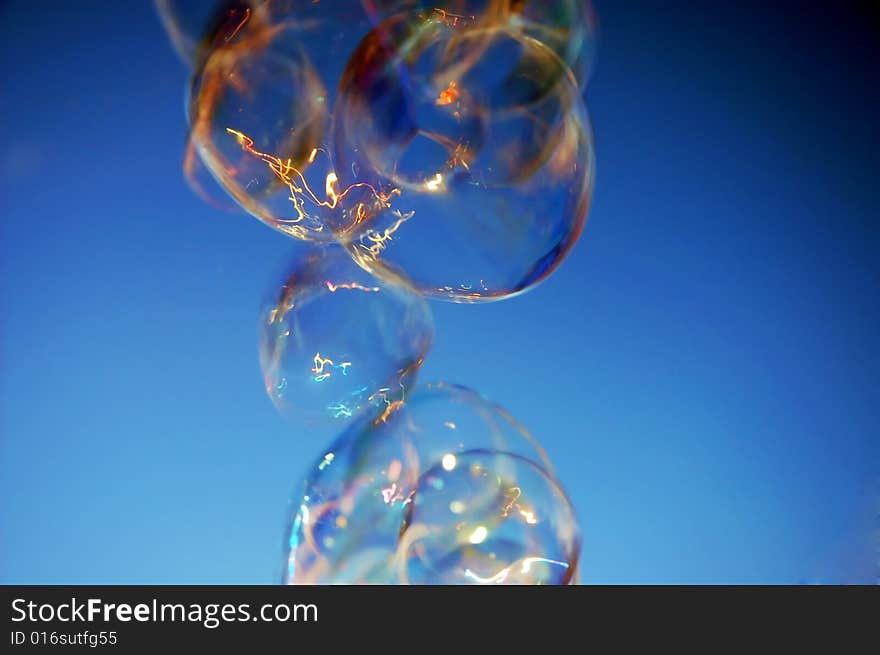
(703, 369)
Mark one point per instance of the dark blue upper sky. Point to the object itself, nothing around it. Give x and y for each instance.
(703, 369)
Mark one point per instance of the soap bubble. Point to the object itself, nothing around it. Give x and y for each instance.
(262, 95)
(259, 112)
(488, 517)
(334, 341)
(347, 521)
(489, 179)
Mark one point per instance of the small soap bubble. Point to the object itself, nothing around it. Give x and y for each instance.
(334, 341)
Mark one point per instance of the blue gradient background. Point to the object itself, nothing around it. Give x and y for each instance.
(703, 369)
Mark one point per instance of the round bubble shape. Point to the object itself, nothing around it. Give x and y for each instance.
(485, 198)
(568, 27)
(333, 341)
(258, 115)
(346, 521)
(259, 111)
(488, 517)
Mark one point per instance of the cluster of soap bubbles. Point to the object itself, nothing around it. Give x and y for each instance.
(423, 150)
(444, 488)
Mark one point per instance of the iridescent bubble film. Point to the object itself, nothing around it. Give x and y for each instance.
(569, 27)
(493, 175)
(334, 341)
(488, 517)
(351, 524)
(260, 106)
(447, 147)
(262, 94)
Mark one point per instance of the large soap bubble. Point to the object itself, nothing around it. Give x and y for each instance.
(488, 178)
(334, 341)
(488, 517)
(347, 521)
